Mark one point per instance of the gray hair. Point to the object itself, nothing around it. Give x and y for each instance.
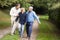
(31, 7)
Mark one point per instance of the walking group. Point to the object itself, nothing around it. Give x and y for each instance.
(21, 19)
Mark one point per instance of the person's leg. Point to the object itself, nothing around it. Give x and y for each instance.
(12, 21)
(19, 28)
(13, 28)
(27, 28)
(30, 28)
(22, 30)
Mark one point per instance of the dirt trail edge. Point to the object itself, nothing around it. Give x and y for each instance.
(5, 31)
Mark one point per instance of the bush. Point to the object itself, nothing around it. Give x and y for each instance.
(54, 16)
(9, 3)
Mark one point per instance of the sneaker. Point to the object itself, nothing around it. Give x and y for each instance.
(28, 38)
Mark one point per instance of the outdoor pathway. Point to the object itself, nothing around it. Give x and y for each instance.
(5, 31)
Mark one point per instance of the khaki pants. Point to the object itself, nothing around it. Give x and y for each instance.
(14, 24)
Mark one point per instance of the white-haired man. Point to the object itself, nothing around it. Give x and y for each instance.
(31, 15)
(14, 13)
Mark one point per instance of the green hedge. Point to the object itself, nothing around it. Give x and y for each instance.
(54, 16)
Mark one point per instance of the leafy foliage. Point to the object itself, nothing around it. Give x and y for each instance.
(7, 2)
(50, 7)
(54, 14)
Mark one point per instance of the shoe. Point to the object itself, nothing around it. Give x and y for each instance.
(28, 38)
(21, 38)
(12, 33)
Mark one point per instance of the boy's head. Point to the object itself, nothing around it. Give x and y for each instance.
(22, 9)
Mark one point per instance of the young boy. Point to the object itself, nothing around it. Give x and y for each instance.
(22, 20)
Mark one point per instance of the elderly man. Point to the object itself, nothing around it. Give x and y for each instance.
(31, 15)
(14, 13)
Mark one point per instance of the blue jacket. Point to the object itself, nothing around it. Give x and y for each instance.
(22, 18)
(31, 16)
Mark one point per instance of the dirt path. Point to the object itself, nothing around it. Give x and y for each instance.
(5, 31)
(34, 33)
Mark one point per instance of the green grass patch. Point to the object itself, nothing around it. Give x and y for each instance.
(4, 24)
(10, 37)
(47, 31)
(4, 19)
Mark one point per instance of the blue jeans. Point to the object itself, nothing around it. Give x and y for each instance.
(21, 30)
(29, 28)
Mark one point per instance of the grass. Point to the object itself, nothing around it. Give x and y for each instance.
(47, 31)
(10, 37)
(4, 19)
(4, 23)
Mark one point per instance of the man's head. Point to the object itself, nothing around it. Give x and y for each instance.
(30, 8)
(17, 6)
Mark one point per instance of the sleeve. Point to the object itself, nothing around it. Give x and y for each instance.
(26, 17)
(17, 18)
(36, 17)
(12, 12)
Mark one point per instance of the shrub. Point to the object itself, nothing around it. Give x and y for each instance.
(54, 16)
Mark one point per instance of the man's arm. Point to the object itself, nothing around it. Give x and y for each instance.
(12, 12)
(36, 17)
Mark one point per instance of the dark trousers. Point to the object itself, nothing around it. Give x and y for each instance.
(29, 28)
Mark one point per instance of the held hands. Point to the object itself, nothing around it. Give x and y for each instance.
(16, 15)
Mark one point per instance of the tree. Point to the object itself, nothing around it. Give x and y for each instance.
(7, 2)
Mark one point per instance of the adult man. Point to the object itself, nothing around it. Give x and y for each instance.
(31, 15)
(14, 13)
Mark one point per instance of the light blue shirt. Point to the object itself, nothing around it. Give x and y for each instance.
(31, 16)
